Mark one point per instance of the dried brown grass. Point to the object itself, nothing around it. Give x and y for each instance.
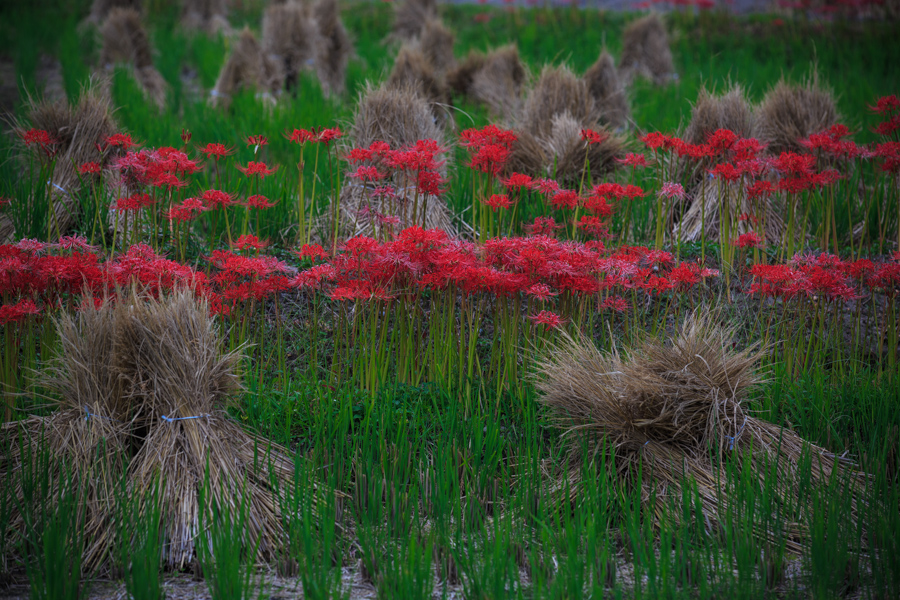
(499, 81)
(645, 51)
(791, 112)
(100, 9)
(77, 128)
(411, 16)
(558, 91)
(130, 376)
(676, 408)
(565, 149)
(125, 41)
(731, 110)
(436, 42)
(708, 200)
(527, 156)
(412, 70)
(333, 47)
(289, 37)
(605, 87)
(210, 16)
(247, 68)
(400, 117)
(459, 78)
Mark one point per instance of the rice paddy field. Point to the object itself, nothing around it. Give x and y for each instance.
(415, 300)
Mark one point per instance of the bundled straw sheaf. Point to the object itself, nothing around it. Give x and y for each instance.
(557, 91)
(125, 41)
(789, 113)
(709, 199)
(400, 117)
(333, 47)
(100, 9)
(499, 81)
(645, 51)
(78, 129)
(411, 16)
(210, 16)
(605, 87)
(677, 408)
(289, 37)
(143, 386)
(436, 42)
(248, 68)
(412, 70)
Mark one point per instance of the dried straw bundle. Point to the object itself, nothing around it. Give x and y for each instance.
(289, 37)
(77, 129)
(143, 384)
(247, 68)
(527, 155)
(459, 78)
(789, 113)
(126, 41)
(645, 51)
(673, 407)
(399, 117)
(412, 70)
(210, 16)
(333, 47)
(557, 91)
(499, 81)
(704, 212)
(605, 87)
(566, 149)
(436, 42)
(411, 16)
(100, 9)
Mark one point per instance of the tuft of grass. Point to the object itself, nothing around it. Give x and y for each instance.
(140, 538)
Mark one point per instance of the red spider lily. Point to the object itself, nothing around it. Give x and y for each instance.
(658, 141)
(886, 279)
(760, 188)
(694, 151)
(594, 137)
(725, 172)
(134, 202)
(90, 168)
(548, 319)
(751, 239)
(75, 242)
(887, 128)
(142, 264)
(313, 251)
(490, 134)
(672, 190)
(721, 140)
(256, 168)
(565, 199)
(498, 201)
(633, 160)
(430, 182)
(257, 140)
(543, 226)
(326, 136)
(796, 185)
(886, 104)
(167, 180)
(188, 210)
(218, 199)
(216, 150)
(541, 291)
(794, 164)
(546, 187)
(250, 241)
(633, 191)
(186, 136)
(616, 303)
(5, 202)
(37, 136)
(259, 201)
(608, 190)
(12, 313)
(598, 205)
(234, 265)
(517, 181)
(367, 174)
(301, 136)
(593, 225)
(490, 158)
(744, 217)
(746, 149)
(684, 276)
(889, 152)
(122, 140)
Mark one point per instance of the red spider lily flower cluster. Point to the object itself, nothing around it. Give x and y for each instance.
(489, 147)
(250, 242)
(90, 168)
(37, 136)
(217, 151)
(890, 106)
(826, 276)
(256, 168)
(163, 167)
(188, 210)
(594, 137)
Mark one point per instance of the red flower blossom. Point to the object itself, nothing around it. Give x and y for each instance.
(633, 160)
(301, 136)
(791, 163)
(37, 136)
(598, 205)
(216, 150)
(216, 198)
(672, 190)
(548, 319)
(750, 239)
(616, 303)
(567, 199)
(541, 291)
(250, 241)
(517, 181)
(721, 140)
(593, 226)
(258, 201)
(760, 188)
(594, 137)
(490, 158)
(134, 203)
(886, 104)
(257, 140)
(312, 251)
(546, 187)
(498, 201)
(326, 136)
(543, 226)
(188, 210)
(123, 140)
(11, 313)
(366, 174)
(90, 168)
(430, 182)
(656, 141)
(256, 168)
(887, 128)
(725, 172)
